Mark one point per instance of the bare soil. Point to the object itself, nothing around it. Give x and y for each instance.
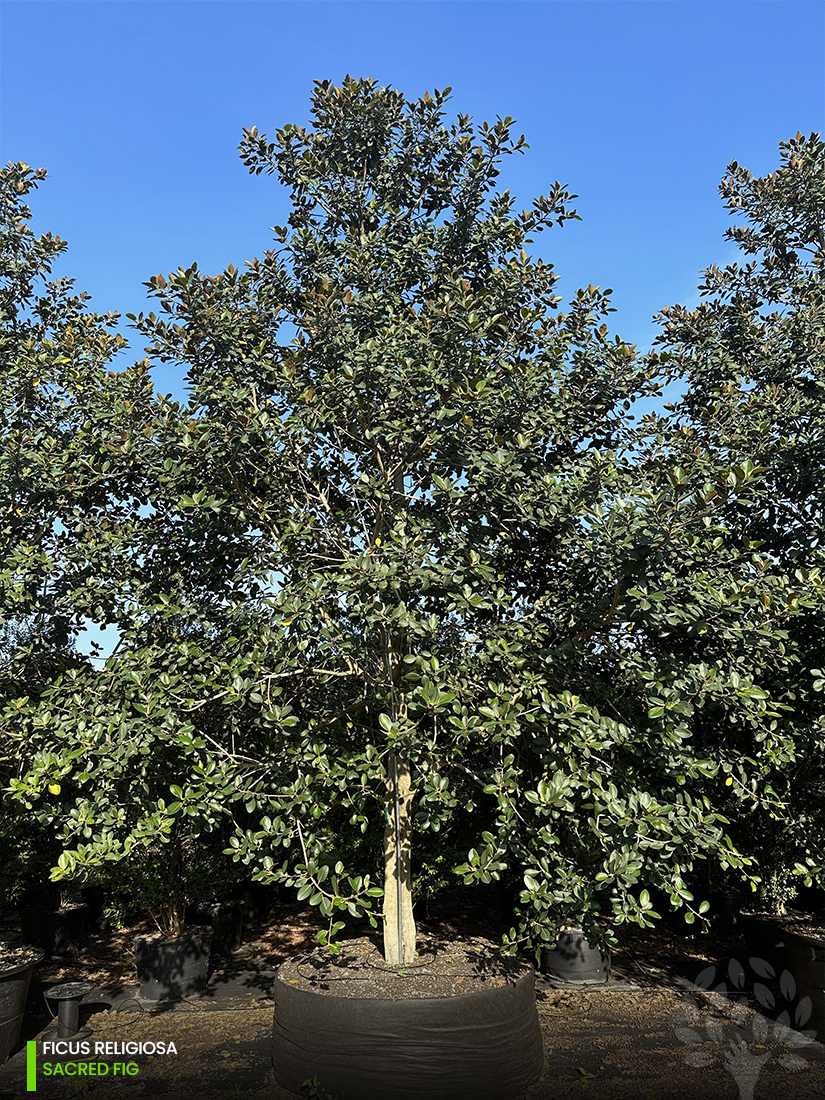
(811, 929)
(107, 959)
(444, 967)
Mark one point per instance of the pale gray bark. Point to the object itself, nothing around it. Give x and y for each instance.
(393, 872)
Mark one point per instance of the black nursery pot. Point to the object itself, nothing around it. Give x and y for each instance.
(171, 969)
(257, 902)
(226, 918)
(575, 960)
(724, 910)
(764, 939)
(56, 931)
(806, 961)
(15, 979)
(94, 898)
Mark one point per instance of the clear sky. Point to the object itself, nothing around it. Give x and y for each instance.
(136, 109)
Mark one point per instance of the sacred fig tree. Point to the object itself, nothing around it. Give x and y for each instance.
(358, 396)
(409, 568)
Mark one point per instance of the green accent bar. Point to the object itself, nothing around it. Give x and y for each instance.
(31, 1066)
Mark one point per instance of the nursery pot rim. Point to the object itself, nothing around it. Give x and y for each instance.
(816, 941)
(575, 930)
(9, 971)
(565, 931)
(202, 931)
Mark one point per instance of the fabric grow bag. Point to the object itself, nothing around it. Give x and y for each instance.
(477, 1046)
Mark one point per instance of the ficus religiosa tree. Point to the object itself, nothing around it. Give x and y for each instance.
(408, 560)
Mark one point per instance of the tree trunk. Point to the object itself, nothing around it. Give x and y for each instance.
(399, 926)
(398, 875)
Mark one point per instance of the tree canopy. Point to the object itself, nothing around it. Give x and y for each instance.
(751, 359)
(406, 572)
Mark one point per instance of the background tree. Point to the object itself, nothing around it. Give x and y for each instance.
(87, 753)
(751, 359)
(67, 477)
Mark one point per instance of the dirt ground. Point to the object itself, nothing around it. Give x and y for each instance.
(650, 1035)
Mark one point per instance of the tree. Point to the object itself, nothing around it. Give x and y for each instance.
(329, 509)
(751, 359)
(408, 553)
(66, 476)
(365, 453)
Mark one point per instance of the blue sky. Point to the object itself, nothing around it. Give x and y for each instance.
(136, 109)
